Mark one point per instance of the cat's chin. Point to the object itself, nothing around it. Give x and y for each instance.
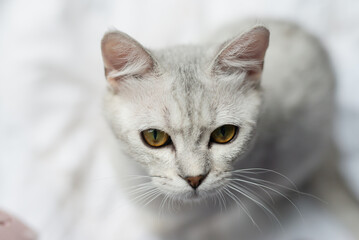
(194, 196)
(198, 196)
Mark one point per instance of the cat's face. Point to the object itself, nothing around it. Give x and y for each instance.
(187, 113)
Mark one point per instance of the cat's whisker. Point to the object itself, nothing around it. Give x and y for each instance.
(153, 197)
(224, 200)
(274, 190)
(176, 205)
(220, 199)
(268, 194)
(138, 188)
(136, 192)
(205, 199)
(170, 205)
(142, 196)
(241, 172)
(252, 191)
(134, 178)
(216, 201)
(260, 204)
(242, 206)
(211, 200)
(129, 177)
(265, 170)
(219, 202)
(285, 187)
(138, 176)
(254, 195)
(272, 184)
(161, 208)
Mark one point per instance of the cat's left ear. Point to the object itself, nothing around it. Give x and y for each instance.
(244, 53)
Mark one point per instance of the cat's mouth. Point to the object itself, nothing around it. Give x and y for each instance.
(195, 194)
(199, 194)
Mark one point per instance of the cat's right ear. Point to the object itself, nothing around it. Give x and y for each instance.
(245, 53)
(124, 57)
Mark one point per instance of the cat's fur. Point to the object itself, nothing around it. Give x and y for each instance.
(284, 114)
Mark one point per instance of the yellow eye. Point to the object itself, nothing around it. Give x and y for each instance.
(223, 134)
(155, 138)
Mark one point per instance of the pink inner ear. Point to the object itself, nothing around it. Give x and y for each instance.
(116, 54)
(245, 52)
(251, 45)
(122, 54)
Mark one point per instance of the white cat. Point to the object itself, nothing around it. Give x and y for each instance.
(218, 131)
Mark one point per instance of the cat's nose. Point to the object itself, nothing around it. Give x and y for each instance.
(194, 182)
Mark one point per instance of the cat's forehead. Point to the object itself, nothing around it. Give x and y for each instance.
(185, 68)
(186, 98)
(188, 106)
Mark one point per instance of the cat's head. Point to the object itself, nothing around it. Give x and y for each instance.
(186, 114)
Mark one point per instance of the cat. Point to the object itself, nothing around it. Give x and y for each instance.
(220, 129)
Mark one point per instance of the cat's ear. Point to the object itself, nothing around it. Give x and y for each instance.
(124, 57)
(245, 53)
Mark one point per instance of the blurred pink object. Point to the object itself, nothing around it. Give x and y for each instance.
(13, 229)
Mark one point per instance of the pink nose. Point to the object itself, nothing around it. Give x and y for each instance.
(194, 182)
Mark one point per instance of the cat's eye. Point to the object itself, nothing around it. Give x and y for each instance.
(224, 134)
(156, 138)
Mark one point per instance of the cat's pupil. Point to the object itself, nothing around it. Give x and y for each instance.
(223, 131)
(155, 134)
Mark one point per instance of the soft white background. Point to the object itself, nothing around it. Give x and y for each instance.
(51, 80)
